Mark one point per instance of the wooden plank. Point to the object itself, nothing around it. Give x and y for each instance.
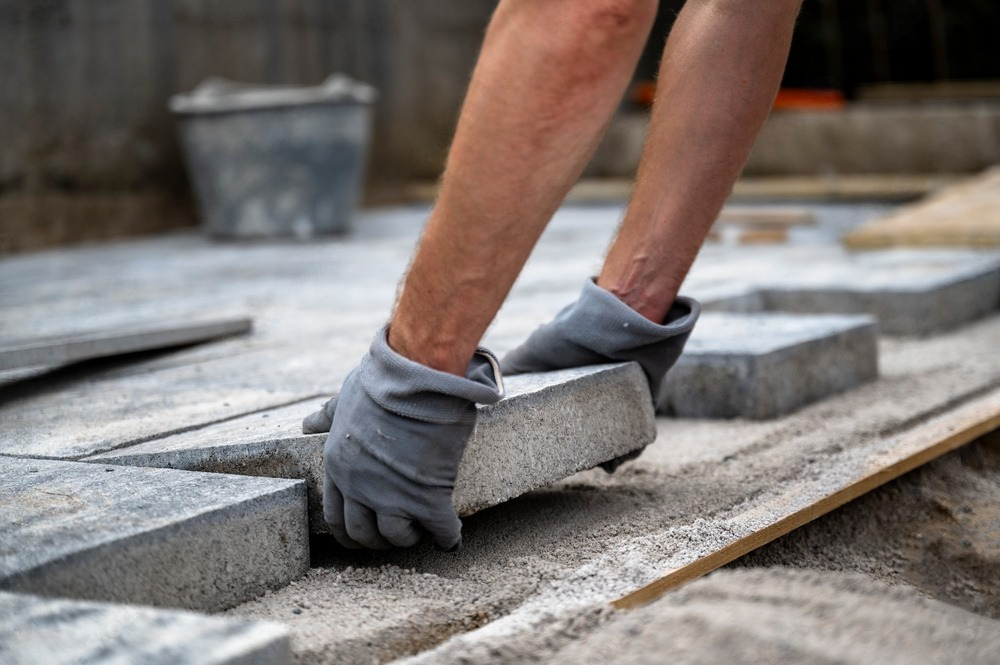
(963, 215)
(767, 218)
(104, 343)
(763, 237)
(914, 448)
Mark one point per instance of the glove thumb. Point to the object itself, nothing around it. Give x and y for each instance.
(322, 420)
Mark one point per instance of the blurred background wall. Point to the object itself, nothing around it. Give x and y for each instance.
(89, 151)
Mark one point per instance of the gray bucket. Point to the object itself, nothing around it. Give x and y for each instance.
(276, 161)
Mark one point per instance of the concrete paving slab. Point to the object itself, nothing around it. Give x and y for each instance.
(37, 630)
(150, 536)
(911, 292)
(762, 366)
(103, 343)
(71, 416)
(549, 426)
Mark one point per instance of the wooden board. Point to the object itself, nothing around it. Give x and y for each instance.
(113, 342)
(767, 217)
(963, 215)
(941, 435)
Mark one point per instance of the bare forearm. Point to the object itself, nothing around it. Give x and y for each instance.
(720, 72)
(547, 83)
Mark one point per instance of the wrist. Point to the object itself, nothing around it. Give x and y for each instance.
(435, 353)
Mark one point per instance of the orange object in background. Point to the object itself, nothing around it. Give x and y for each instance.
(642, 94)
(804, 99)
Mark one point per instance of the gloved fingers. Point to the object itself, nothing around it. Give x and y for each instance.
(400, 531)
(446, 529)
(322, 420)
(362, 526)
(333, 513)
(612, 465)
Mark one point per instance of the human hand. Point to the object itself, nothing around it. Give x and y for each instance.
(599, 328)
(397, 434)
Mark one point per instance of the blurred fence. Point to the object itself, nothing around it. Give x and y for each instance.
(89, 149)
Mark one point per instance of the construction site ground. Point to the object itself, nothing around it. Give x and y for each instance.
(909, 572)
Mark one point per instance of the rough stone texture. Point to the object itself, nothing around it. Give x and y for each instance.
(152, 536)
(548, 426)
(36, 630)
(87, 412)
(786, 616)
(766, 365)
(921, 308)
(910, 292)
(97, 344)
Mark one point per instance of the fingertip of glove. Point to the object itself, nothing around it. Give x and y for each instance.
(449, 550)
(316, 423)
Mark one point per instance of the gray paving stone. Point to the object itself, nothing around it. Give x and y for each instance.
(76, 416)
(907, 293)
(151, 536)
(762, 366)
(910, 292)
(102, 343)
(548, 427)
(35, 630)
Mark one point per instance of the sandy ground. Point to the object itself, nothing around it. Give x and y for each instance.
(908, 573)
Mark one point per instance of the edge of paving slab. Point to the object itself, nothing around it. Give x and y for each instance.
(62, 349)
(207, 557)
(34, 630)
(777, 380)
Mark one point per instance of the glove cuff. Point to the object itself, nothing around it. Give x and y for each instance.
(412, 390)
(598, 320)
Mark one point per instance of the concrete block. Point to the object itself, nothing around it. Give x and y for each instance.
(98, 344)
(151, 536)
(68, 632)
(909, 295)
(761, 366)
(549, 426)
(87, 414)
(911, 292)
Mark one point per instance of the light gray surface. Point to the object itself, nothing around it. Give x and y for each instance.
(548, 427)
(86, 413)
(101, 343)
(910, 292)
(767, 365)
(37, 631)
(151, 536)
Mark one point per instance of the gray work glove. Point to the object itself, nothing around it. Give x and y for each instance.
(397, 433)
(599, 328)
